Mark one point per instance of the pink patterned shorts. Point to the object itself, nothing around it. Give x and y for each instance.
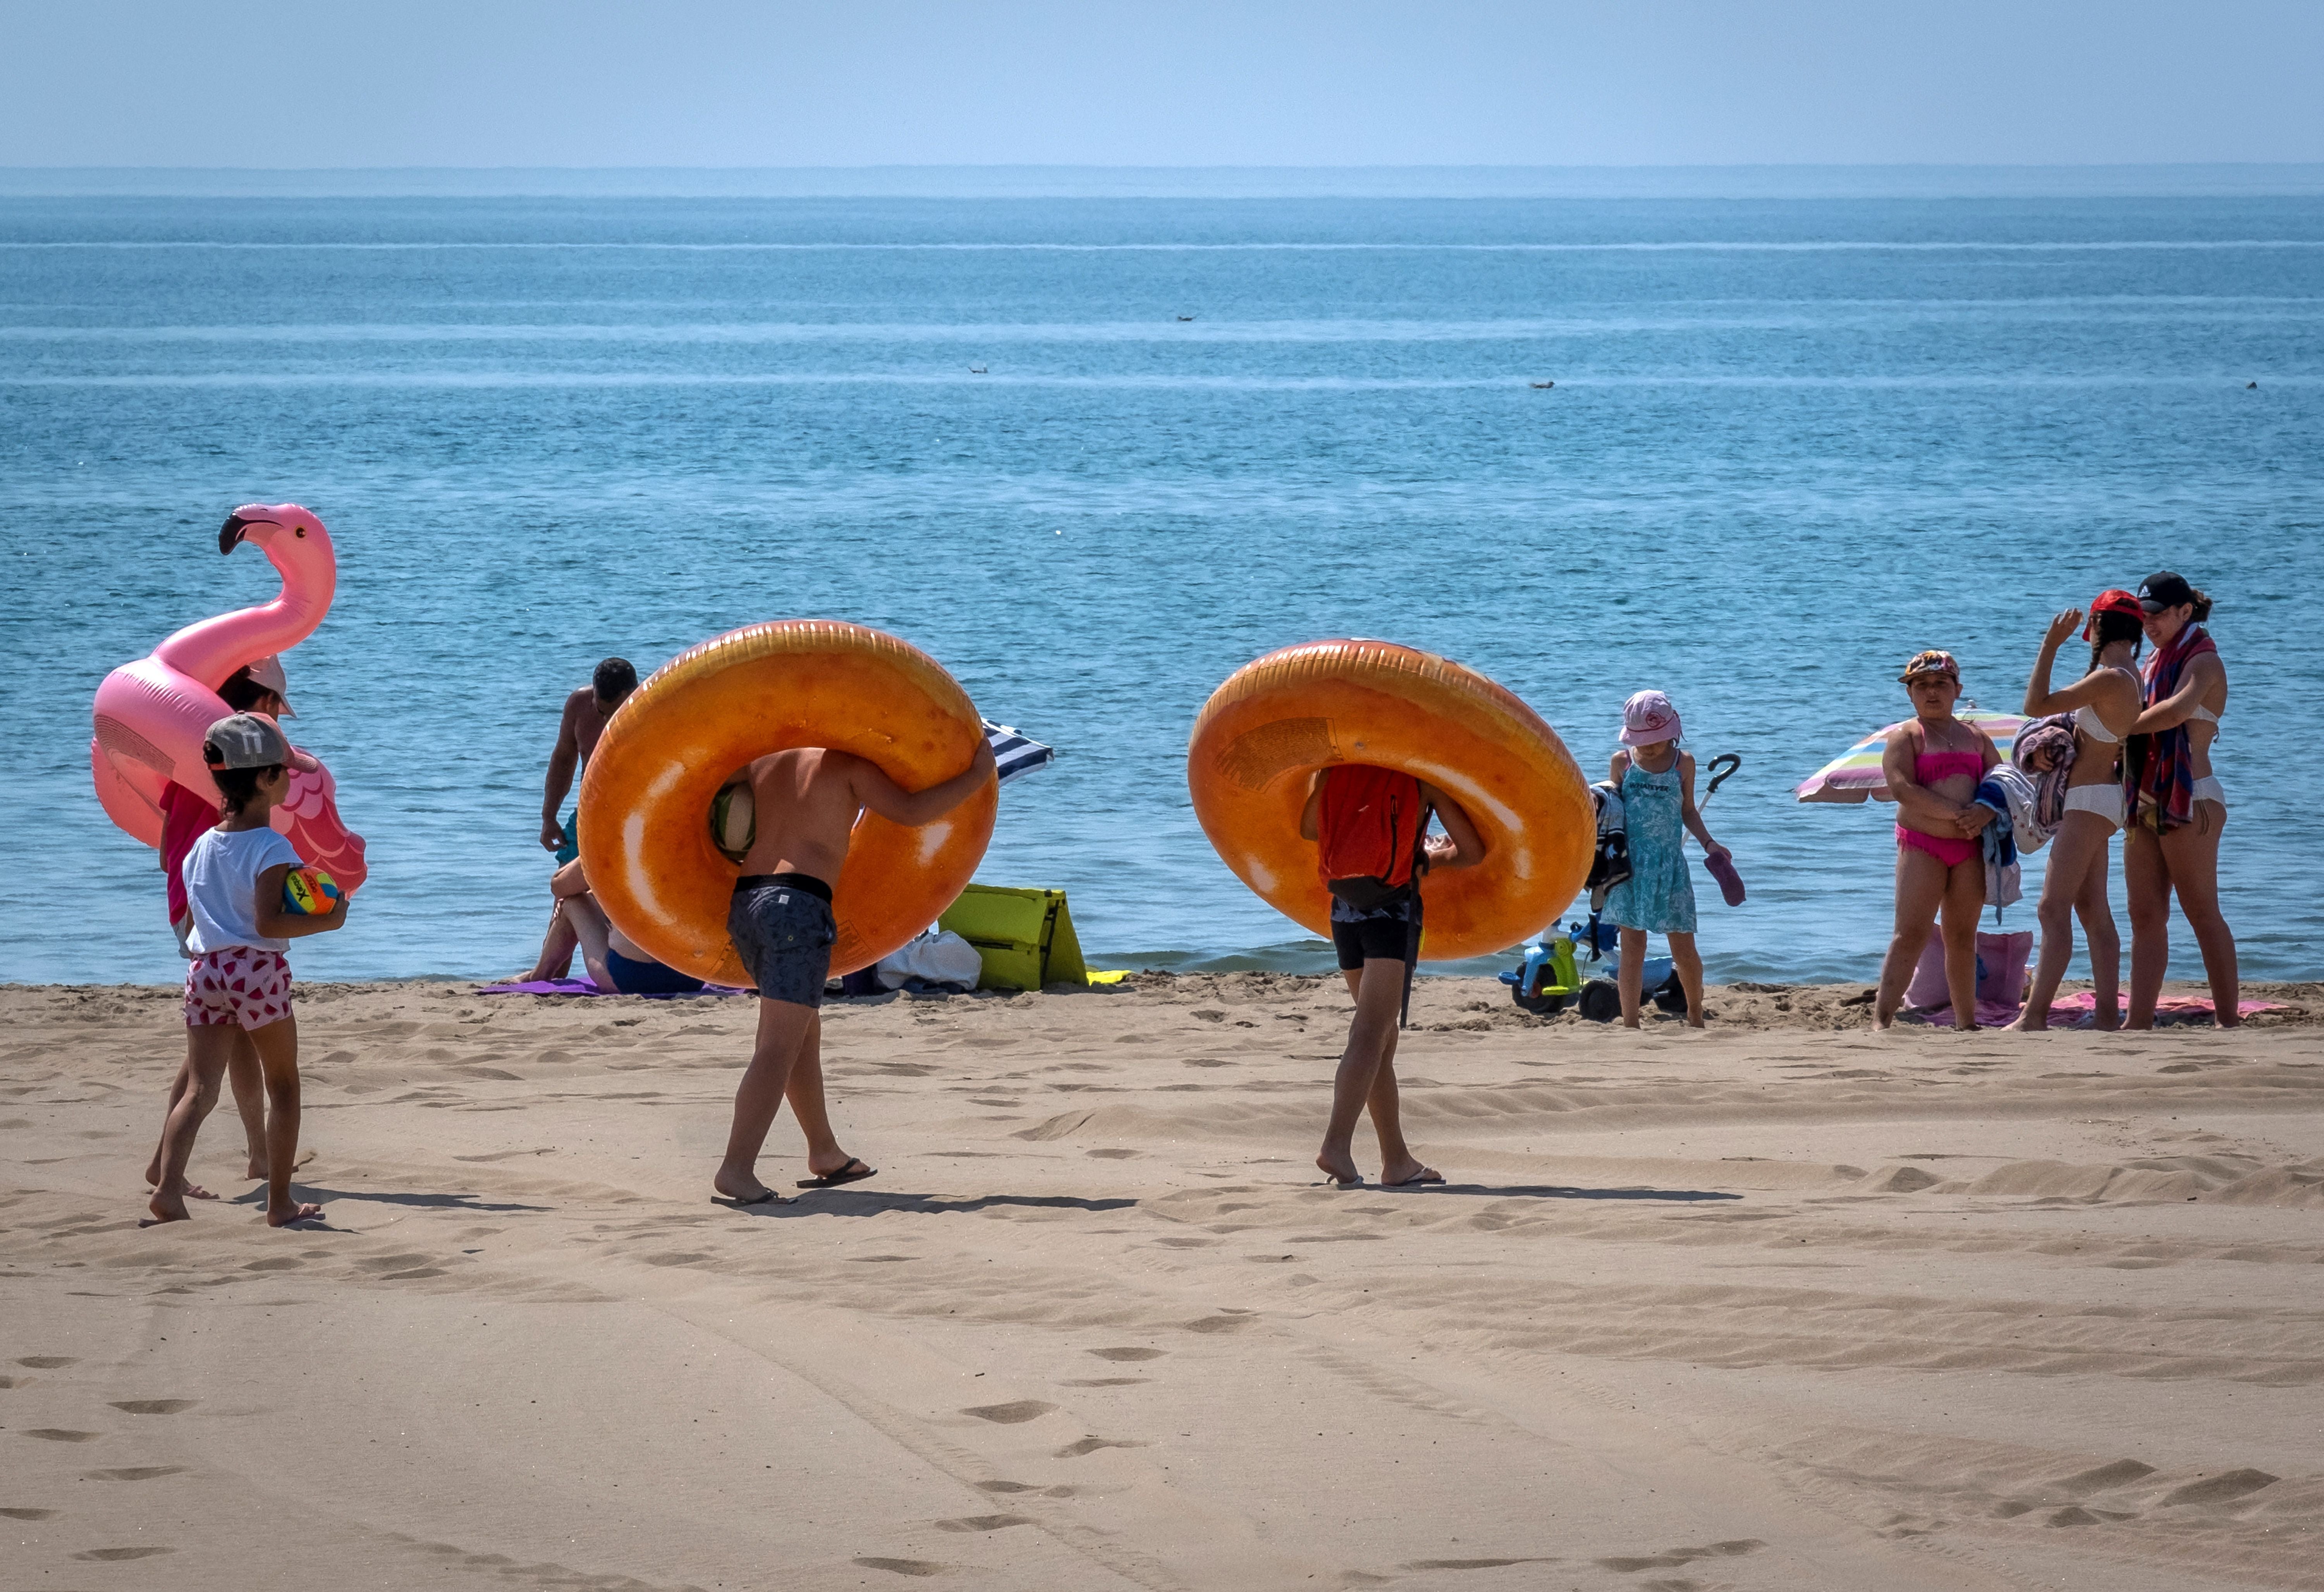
(237, 985)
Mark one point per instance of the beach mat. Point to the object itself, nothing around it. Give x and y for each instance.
(2080, 1010)
(584, 987)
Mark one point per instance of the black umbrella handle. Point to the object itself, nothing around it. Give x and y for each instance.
(1722, 767)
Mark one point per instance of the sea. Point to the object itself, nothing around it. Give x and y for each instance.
(1095, 451)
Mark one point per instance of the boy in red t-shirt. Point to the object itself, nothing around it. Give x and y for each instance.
(1373, 847)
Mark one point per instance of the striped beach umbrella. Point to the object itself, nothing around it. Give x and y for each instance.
(1014, 754)
(1855, 775)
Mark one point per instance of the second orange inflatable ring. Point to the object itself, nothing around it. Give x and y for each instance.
(644, 816)
(1280, 718)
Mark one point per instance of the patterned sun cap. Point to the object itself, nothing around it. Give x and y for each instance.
(1931, 662)
(1648, 719)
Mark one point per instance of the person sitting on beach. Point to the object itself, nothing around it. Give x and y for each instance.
(2177, 806)
(1370, 826)
(806, 801)
(258, 686)
(2104, 703)
(587, 712)
(617, 964)
(239, 982)
(1933, 765)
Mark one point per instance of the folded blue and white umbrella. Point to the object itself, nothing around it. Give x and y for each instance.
(1016, 754)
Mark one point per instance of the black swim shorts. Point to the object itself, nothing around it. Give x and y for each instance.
(1384, 934)
(783, 930)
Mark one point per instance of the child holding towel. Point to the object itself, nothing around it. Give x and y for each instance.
(1656, 781)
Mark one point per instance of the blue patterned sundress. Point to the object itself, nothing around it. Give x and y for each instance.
(1659, 895)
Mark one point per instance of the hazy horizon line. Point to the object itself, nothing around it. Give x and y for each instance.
(1890, 180)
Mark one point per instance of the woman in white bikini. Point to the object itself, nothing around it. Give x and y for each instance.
(2104, 703)
(2177, 807)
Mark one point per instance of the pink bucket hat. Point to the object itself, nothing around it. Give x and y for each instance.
(1648, 719)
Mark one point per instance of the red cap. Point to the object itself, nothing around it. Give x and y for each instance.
(2113, 600)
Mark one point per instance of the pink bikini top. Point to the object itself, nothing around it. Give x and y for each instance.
(1929, 767)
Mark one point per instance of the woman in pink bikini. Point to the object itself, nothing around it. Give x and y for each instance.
(1933, 765)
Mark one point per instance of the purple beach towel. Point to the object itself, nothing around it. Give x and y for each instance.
(584, 987)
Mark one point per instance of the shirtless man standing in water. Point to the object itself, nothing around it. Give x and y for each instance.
(805, 802)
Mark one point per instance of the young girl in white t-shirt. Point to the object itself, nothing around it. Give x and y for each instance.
(239, 976)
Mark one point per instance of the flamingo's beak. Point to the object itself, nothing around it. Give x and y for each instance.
(231, 532)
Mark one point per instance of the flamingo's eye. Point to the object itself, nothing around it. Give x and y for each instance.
(298, 531)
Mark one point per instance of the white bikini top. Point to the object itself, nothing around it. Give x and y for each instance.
(2087, 722)
(2199, 711)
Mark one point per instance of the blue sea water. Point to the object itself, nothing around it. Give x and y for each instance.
(1791, 442)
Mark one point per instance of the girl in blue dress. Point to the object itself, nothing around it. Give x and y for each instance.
(1656, 781)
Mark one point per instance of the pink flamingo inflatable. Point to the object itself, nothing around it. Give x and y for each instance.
(151, 714)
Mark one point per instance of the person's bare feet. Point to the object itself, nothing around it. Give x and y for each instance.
(165, 1208)
(2027, 1023)
(256, 1170)
(1339, 1168)
(284, 1215)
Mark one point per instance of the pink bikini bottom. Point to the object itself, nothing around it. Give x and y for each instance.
(1952, 853)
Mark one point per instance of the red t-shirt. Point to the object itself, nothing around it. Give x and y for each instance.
(184, 817)
(1369, 824)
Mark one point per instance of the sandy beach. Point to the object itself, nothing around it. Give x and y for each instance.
(1785, 1304)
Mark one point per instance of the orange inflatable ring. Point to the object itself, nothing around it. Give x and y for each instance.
(1278, 718)
(644, 815)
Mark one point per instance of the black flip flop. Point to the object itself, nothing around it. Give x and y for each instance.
(853, 1172)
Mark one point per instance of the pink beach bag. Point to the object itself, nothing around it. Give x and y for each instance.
(2000, 969)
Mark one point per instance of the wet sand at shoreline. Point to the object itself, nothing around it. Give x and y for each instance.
(1785, 1305)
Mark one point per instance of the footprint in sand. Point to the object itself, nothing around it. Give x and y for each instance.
(1129, 1354)
(280, 1262)
(2218, 1489)
(133, 1473)
(1235, 1322)
(1111, 1155)
(1012, 1415)
(117, 1553)
(1090, 1445)
(58, 1434)
(1672, 1558)
(1472, 1563)
(903, 1566)
(982, 1523)
(48, 1362)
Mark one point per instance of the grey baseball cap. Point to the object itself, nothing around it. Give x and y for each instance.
(246, 741)
(267, 672)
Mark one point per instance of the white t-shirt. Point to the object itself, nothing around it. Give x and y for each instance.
(222, 873)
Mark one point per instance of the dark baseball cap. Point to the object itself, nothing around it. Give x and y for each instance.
(2165, 590)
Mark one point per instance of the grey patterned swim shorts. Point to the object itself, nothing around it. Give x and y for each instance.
(783, 930)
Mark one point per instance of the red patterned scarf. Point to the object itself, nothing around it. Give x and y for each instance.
(2158, 770)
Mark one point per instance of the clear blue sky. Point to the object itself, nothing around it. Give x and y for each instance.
(1205, 82)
